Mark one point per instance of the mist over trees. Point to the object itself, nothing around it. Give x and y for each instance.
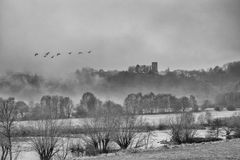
(88, 104)
(229, 99)
(203, 84)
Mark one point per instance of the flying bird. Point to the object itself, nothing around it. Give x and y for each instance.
(52, 57)
(89, 52)
(69, 53)
(35, 54)
(46, 54)
(58, 54)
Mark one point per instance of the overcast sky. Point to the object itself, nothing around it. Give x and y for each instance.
(178, 34)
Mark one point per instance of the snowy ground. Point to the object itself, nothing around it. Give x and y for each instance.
(151, 119)
(154, 142)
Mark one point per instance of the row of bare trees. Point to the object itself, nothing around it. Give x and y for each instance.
(50, 143)
(115, 127)
(183, 127)
(123, 130)
(46, 144)
(151, 103)
(99, 131)
(62, 107)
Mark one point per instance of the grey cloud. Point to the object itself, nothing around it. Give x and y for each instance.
(186, 34)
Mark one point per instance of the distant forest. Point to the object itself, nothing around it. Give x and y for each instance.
(116, 85)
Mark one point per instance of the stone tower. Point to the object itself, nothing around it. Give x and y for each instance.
(154, 67)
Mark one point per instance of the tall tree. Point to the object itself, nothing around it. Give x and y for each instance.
(66, 106)
(46, 106)
(193, 103)
(22, 108)
(112, 107)
(148, 103)
(7, 118)
(175, 103)
(132, 103)
(185, 103)
(89, 102)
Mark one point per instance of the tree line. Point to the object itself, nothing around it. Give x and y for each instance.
(135, 103)
(160, 103)
(60, 107)
(204, 84)
(229, 99)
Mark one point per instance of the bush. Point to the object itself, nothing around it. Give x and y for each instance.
(77, 149)
(91, 150)
(205, 119)
(231, 108)
(218, 108)
(215, 127)
(236, 125)
(208, 117)
(182, 128)
(230, 126)
(162, 125)
(46, 145)
(200, 139)
(99, 130)
(125, 130)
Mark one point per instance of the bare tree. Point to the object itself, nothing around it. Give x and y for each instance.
(131, 132)
(64, 147)
(7, 118)
(236, 123)
(64, 144)
(228, 126)
(125, 130)
(215, 127)
(4, 147)
(99, 131)
(46, 144)
(182, 128)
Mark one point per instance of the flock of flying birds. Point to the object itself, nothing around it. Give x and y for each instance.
(58, 54)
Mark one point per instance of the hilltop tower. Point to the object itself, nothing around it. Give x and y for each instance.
(154, 67)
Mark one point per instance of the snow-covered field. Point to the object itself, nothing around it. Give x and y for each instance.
(151, 119)
(154, 142)
(163, 118)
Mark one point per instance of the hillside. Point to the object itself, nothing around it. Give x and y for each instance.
(204, 84)
(210, 151)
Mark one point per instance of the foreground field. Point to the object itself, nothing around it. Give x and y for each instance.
(154, 142)
(210, 151)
